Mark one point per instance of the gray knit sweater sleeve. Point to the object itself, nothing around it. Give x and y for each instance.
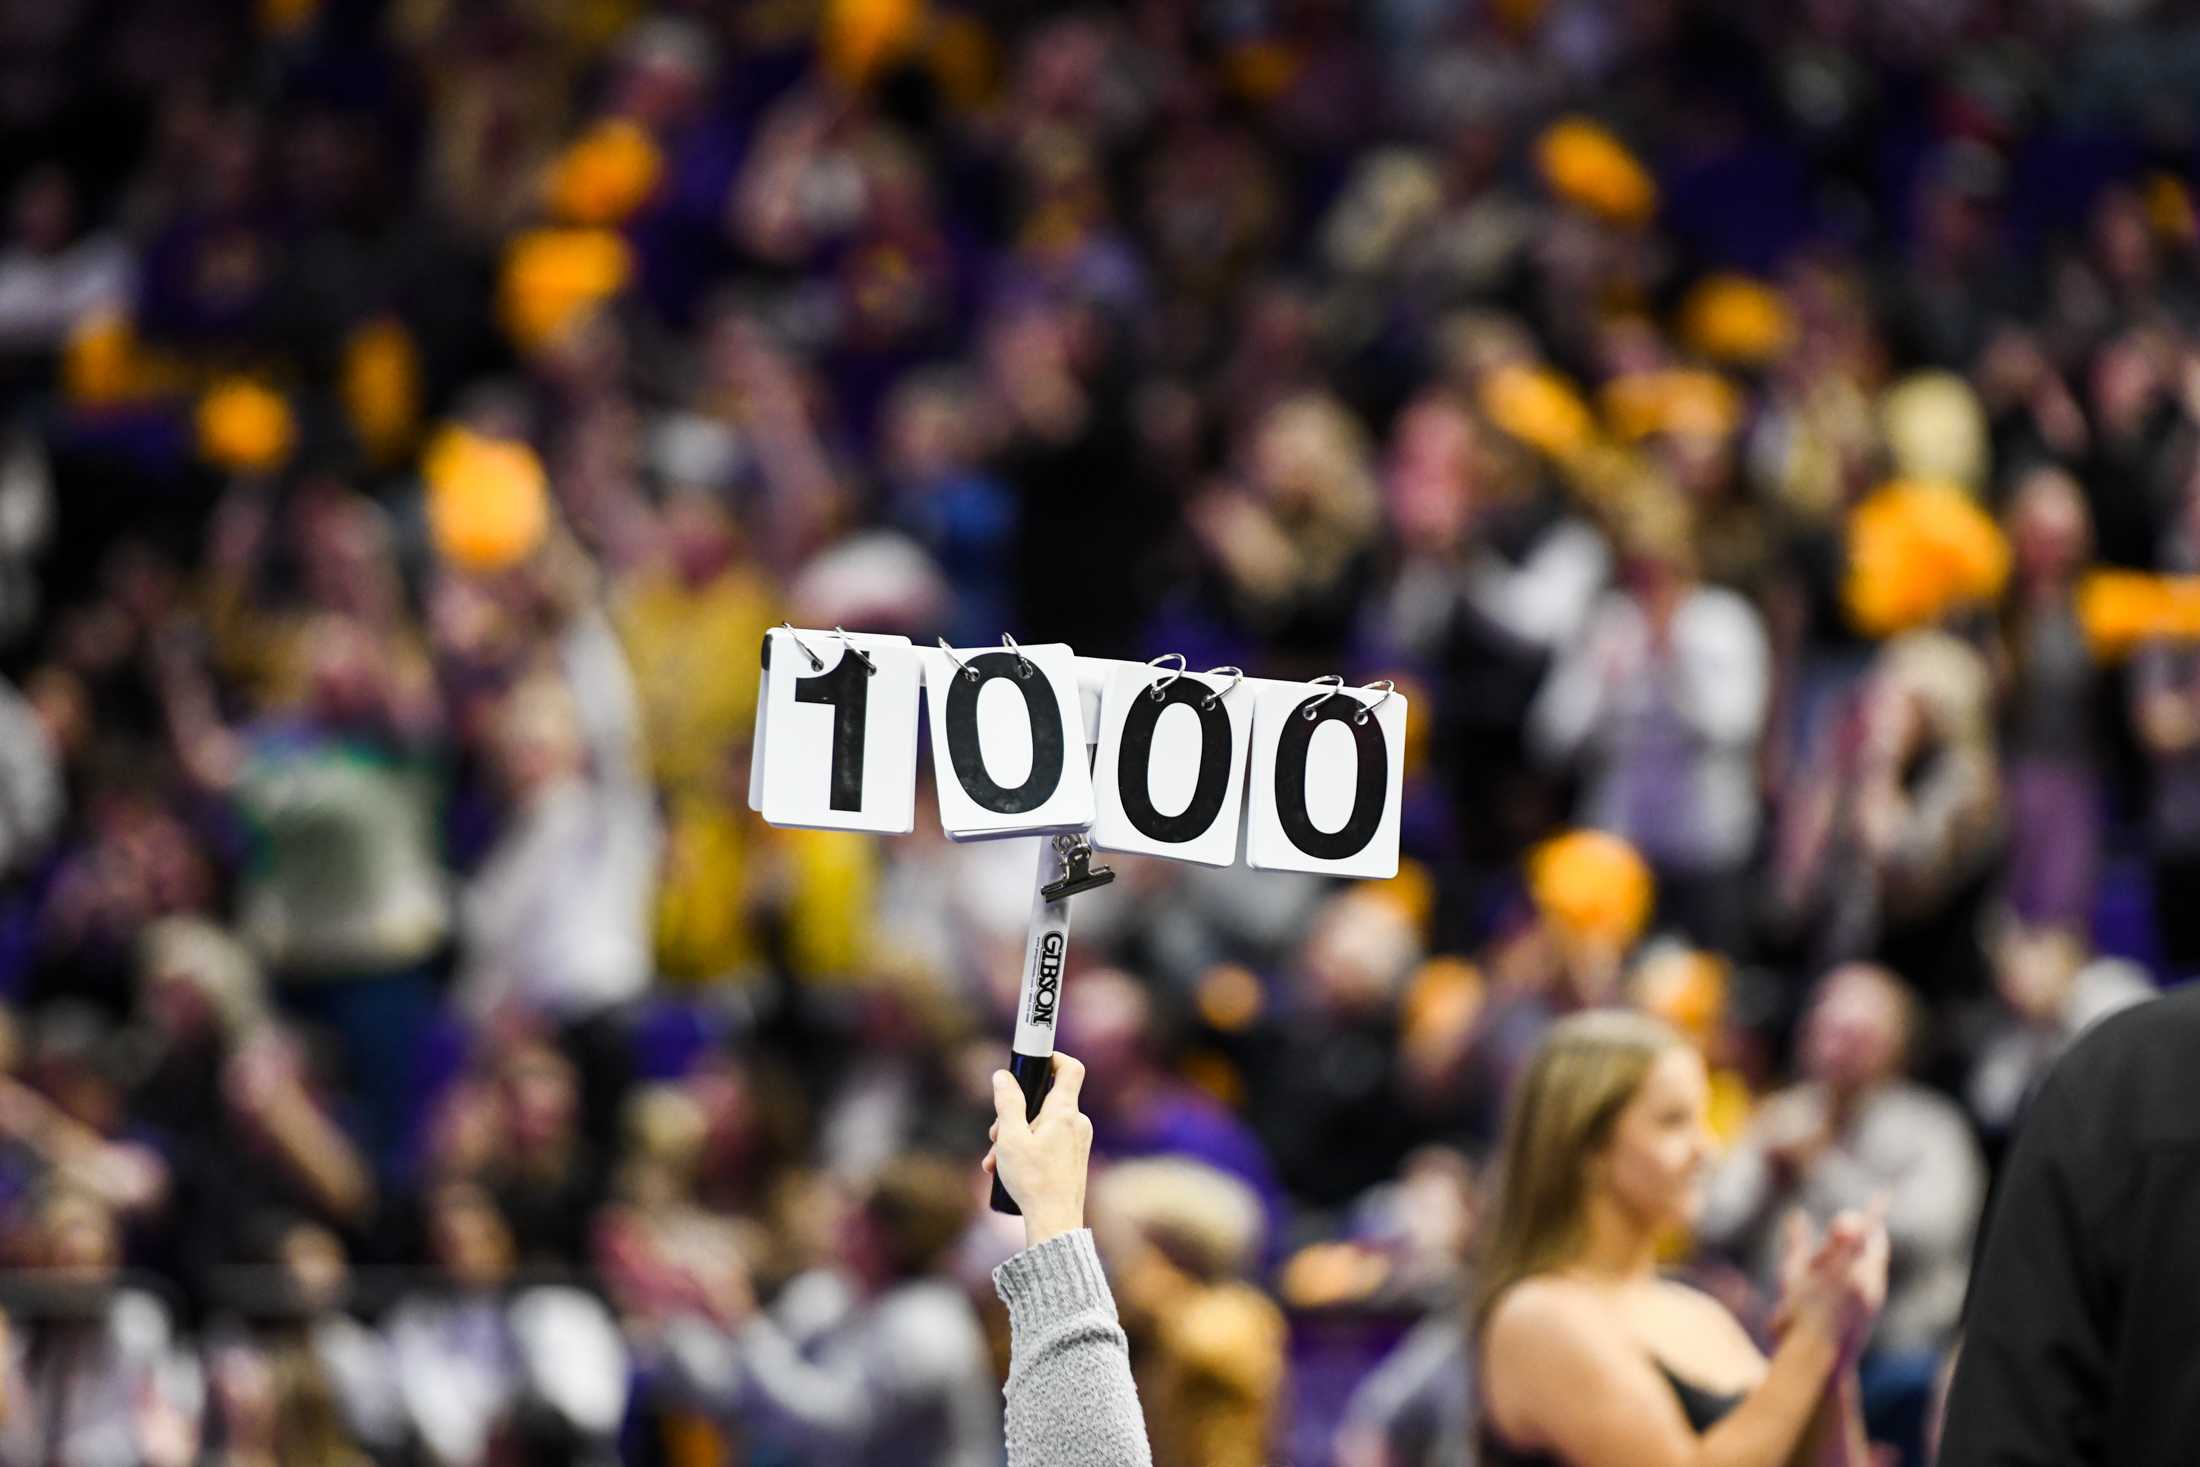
(1071, 1402)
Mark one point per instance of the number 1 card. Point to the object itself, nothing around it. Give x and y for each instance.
(842, 715)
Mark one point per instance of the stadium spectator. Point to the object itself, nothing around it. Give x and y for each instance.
(95, 1372)
(555, 923)
(488, 1367)
(1854, 1129)
(2050, 739)
(2051, 988)
(877, 1360)
(1892, 842)
(1417, 1407)
(1584, 1355)
(1663, 695)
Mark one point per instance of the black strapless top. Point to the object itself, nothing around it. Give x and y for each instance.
(1704, 1409)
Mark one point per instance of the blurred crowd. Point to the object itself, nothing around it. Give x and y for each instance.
(1714, 416)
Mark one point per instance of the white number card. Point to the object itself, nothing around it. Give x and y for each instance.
(836, 732)
(1008, 741)
(1169, 775)
(1328, 771)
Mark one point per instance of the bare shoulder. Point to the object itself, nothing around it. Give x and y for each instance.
(1544, 1328)
(1540, 1331)
(1562, 1372)
(1544, 1308)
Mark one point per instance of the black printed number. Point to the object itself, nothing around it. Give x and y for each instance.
(1367, 795)
(1134, 777)
(847, 690)
(968, 757)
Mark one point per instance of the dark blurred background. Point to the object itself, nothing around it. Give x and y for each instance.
(1711, 414)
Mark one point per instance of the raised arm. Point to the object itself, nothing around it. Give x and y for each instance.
(129, 1178)
(264, 1085)
(1071, 1401)
(1724, 673)
(208, 751)
(596, 669)
(1577, 690)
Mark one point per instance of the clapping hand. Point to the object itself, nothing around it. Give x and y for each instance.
(1835, 1282)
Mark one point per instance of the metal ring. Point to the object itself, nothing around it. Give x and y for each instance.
(817, 663)
(1368, 711)
(1160, 689)
(1336, 687)
(854, 651)
(1237, 675)
(1024, 664)
(967, 670)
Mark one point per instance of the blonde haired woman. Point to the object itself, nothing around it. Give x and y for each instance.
(1587, 1358)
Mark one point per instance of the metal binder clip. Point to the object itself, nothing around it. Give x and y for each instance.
(1078, 872)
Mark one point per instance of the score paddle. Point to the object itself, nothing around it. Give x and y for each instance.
(1065, 869)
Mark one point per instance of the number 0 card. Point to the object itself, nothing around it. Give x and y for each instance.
(1169, 777)
(1008, 741)
(842, 715)
(1328, 777)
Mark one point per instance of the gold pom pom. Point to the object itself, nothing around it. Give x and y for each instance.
(554, 276)
(1539, 407)
(1919, 550)
(244, 427)
(488, 505)
(610, 172)
(1736, 320)
(1591, 884)
(381, 387)
(1586, 165)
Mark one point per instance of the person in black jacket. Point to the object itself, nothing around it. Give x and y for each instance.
(2081, 1330)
